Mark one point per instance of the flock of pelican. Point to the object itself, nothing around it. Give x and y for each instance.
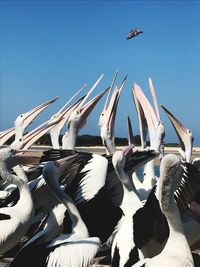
(65, 208)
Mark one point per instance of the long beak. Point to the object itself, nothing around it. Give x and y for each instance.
(87, 108)
(140, 158)
(142, 120)
(90, 91)
(154, 99)
(29, 116)
(30, 138)
(112, 108)
(26, 157)
(128, 151)
(63, 108)
(152, 120)
(183, 133)
(62, 117)
(5, 135)
(130, 131)
(109, 92)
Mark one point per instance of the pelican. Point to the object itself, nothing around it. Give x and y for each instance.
(148, 117)
(90, 182)
(22, 122)
(125, 251)
(64, 113)
(191, 222)
(24, 143)
(73, 246)
(133, 33)
(15, 220)
(184, 134)
(107, 119)
(176, 251)
(24, 119)
(77, 118)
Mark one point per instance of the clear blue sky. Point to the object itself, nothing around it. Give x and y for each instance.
(51, 48)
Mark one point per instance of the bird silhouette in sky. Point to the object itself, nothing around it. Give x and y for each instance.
(133, 33)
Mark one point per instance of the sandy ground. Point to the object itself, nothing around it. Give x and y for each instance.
(4, 262)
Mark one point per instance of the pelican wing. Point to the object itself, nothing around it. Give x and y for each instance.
(90, 185)
(78, 253)
(150, 223)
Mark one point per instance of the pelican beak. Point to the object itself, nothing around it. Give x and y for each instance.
(184, 134)
(27, 157)
(139, 158)
(5, 135)
(109, 92)
(29, 116)
(87, 108)
(142, 120)
(62, 117)
(130, 131)
(30, 138)
(151, 118)
(128, 151)
(110, 112)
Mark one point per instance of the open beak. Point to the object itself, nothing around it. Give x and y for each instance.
(140, 158)
(30, 138)
(87, 108)
(62, 117)
(110, 112)
(26, 157)
(90, 91)
(128, 151)
(151, 118)
(5, 135)
(142, 120)
(154, 99)
(183, 133)
(130, 131)
(109, 92)
(29, 116)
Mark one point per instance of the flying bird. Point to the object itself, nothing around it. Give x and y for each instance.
(133, 33)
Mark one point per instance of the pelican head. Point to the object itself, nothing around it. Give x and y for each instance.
(23, 120)
(30, 138)
(107, 119)
(184, 134)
